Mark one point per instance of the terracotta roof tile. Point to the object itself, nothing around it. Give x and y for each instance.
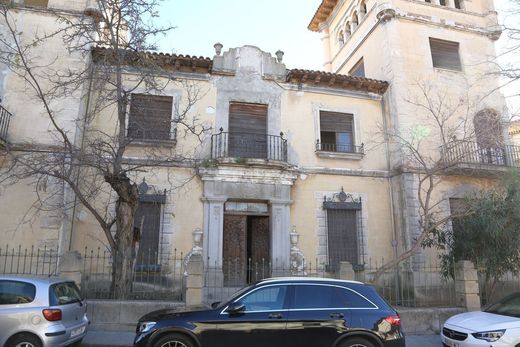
(322, 13)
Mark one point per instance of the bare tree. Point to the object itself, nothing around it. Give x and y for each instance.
(115, 37)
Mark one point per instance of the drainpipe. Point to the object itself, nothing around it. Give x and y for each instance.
(82, 143)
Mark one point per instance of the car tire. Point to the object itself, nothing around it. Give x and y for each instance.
(174, 340)
(357, 342)
(24, 340)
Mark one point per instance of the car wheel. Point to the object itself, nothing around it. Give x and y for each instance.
(24, 340)
(357, 342)
(174, 340)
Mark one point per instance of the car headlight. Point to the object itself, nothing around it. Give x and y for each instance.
(145, 327)
(489, 336)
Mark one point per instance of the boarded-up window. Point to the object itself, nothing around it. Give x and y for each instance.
(343, 241)
(358, 70)
(150, 117)
(445, 54)
(247, 130)
(39, 3)
(148, 217)
(336, 132)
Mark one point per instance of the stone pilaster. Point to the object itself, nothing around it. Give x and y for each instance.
(466, 285)
(280, 239)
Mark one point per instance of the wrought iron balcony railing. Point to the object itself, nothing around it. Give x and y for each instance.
(248, 146)
(471, 153)
(331, 147)
(5, 119)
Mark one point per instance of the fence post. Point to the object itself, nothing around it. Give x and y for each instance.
(466, 285)
(70, 266)
(346, 272)
(195, 281)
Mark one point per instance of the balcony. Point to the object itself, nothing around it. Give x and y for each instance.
(248, 147)
(5, 119)
(331, 150)
(469, 157)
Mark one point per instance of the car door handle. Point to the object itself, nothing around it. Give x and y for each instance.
(275, 316)
(337, 315)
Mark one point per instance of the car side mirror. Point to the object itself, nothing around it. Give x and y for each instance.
(215, 304)
(236, 307)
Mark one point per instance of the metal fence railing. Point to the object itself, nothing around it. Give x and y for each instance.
(421, 287)
(473, 154)
(491, 291)
(5, 119)
(331, 147)
(155, 276)
(248, 146)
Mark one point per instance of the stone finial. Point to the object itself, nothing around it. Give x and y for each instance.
(279, 55)
(218, 48)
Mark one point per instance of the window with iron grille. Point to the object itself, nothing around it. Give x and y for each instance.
(150, 117)
(336, 132)
(148, 221)
(358, 70)
(343, 236)
(445, 54)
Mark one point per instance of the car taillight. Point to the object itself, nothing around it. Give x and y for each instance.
(52, 315)
(393, 320)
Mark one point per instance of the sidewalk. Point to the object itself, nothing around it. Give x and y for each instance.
(126, 339)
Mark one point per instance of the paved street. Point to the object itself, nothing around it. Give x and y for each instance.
(116, 339)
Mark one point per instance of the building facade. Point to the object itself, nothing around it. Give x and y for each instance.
(294, 169)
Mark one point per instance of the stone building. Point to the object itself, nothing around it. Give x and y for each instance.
(297, 170)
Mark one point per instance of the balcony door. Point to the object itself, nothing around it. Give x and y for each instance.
(247, 130)
(488, 133)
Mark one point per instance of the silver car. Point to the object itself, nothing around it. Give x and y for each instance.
(41, 312)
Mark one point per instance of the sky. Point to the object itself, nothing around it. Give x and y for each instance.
(268, 24)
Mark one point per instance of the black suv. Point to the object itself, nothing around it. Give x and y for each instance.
(281, 312)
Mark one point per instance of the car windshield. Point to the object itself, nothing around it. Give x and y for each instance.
(235, 296)
(509, 306)
(64, 293)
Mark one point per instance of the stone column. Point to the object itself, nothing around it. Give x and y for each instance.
(466, 285)
(213, 238)
(195, 281)
(70, 266)
(280, 237)
(325, 39)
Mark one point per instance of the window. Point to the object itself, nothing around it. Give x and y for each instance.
(63, 294)
(358, 70)
(314, 296)
(38, 3)
(150, 117)
(336, 132)
(15, 292)
(445, 54)
(342, 232)
(265, 299)
(247, 130)
(458, 4)
(148, 221)
(350, 299)
(442, 2)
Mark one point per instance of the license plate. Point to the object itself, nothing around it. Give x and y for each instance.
(77, 332)
(450, 343)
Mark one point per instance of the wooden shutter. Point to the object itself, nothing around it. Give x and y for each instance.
(150, 117)
(445, 54)
(39, 3)
(336, 122)
(247, 118)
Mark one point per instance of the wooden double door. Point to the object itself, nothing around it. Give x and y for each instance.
(246, 249)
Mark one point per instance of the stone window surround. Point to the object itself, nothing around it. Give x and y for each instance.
(354, 111)
(322, 232)
(175, 94)
(444, 70)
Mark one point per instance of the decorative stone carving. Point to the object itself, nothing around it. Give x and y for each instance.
(297, 256)
(386, 15)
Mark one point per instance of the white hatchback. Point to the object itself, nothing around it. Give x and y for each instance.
(498, 325)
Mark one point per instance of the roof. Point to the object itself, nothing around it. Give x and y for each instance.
(334, 80)
(175, 62)
(307, 279)
(322, 13)
(34, 279)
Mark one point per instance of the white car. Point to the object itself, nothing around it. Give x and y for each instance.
(498, 325)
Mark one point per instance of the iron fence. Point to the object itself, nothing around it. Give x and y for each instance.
(491, 291)
(5, 119)
(248, 146)
(332, 147)
(155, 276)
(474, 154)
(420, 286)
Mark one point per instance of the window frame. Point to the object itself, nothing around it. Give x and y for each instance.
(360, 62)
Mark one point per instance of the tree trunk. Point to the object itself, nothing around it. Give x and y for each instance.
(123, 252)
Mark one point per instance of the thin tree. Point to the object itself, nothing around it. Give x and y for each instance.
(115, 37)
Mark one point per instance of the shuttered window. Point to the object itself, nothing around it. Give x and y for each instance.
(358, 70)
(150, 117)
(39, 3)
(247, 130)
(336, 132)
(445, 54)
(148, 220)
